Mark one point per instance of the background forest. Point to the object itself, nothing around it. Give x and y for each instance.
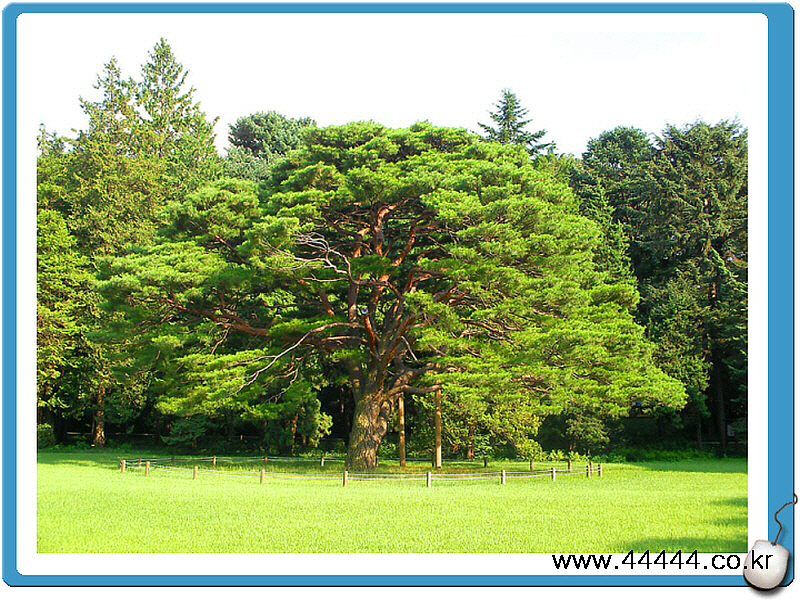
(315, 286)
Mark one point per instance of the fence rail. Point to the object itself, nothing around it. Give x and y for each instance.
(169, 465)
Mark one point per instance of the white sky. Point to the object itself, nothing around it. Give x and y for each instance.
(578, 75)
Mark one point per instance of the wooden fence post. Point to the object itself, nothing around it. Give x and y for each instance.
(553, 473)
(265, 461)
(344, 479)
(213, 461)
(428, 479)
(599, 469)
(194, 472)
(123, 465)
(588, 472)
(591, 468)
(140, 462)
(262, 476)
(531, 466)
(321, 461)
(485, 462)
(503, 477)
(569, 464)
(147, 468)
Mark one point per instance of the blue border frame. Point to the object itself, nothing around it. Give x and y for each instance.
(780, 178)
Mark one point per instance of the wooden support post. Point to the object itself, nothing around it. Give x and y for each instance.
(428, 479)
(265, 461)
(213, 461)
(262, 476)
(122, 465)
(503, 477)
(588, 472)
(321, 461)
(140, 462)
(147, 468)
(471, 441)
(600, 469)
(344, 479)
(591, 468)
(194, 472)
(569, 465)
(531, 466)
(401, 425)
(553, 473)
(437, 429)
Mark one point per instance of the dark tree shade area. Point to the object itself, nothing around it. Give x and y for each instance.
(680, 200)
(315, 284)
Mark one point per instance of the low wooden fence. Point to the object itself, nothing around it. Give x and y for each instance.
(172, 465)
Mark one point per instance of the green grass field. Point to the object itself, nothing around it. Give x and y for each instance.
(84, 504)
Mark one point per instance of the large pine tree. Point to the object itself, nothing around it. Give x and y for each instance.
(408, 261)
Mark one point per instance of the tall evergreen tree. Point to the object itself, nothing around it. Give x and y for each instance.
(682, 202)
(175, 129)
(697, 235)
(146, 143)
(613, 183)
(510, 126)
(61, 291)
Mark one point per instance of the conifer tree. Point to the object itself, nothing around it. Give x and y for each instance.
(682, 203)
(410, 260)
(147, 143)
(175, 129)
(258, 140)
(61, 293)
(696, 239)
(510, 126)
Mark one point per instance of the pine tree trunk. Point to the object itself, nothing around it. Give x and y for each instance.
(699, 433)
(293, 432)
(716, 375)
(437, 429)
(369, 427)
(401, 414)
(100, 420)
(719, 398)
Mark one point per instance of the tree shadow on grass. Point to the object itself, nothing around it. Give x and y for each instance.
(740, 502)
(735, 521)
(724, 465)
(103, 459)
(686, 544)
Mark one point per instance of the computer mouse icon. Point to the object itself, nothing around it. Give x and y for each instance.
(765, 565)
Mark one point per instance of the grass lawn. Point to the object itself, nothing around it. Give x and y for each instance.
(84, 504)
